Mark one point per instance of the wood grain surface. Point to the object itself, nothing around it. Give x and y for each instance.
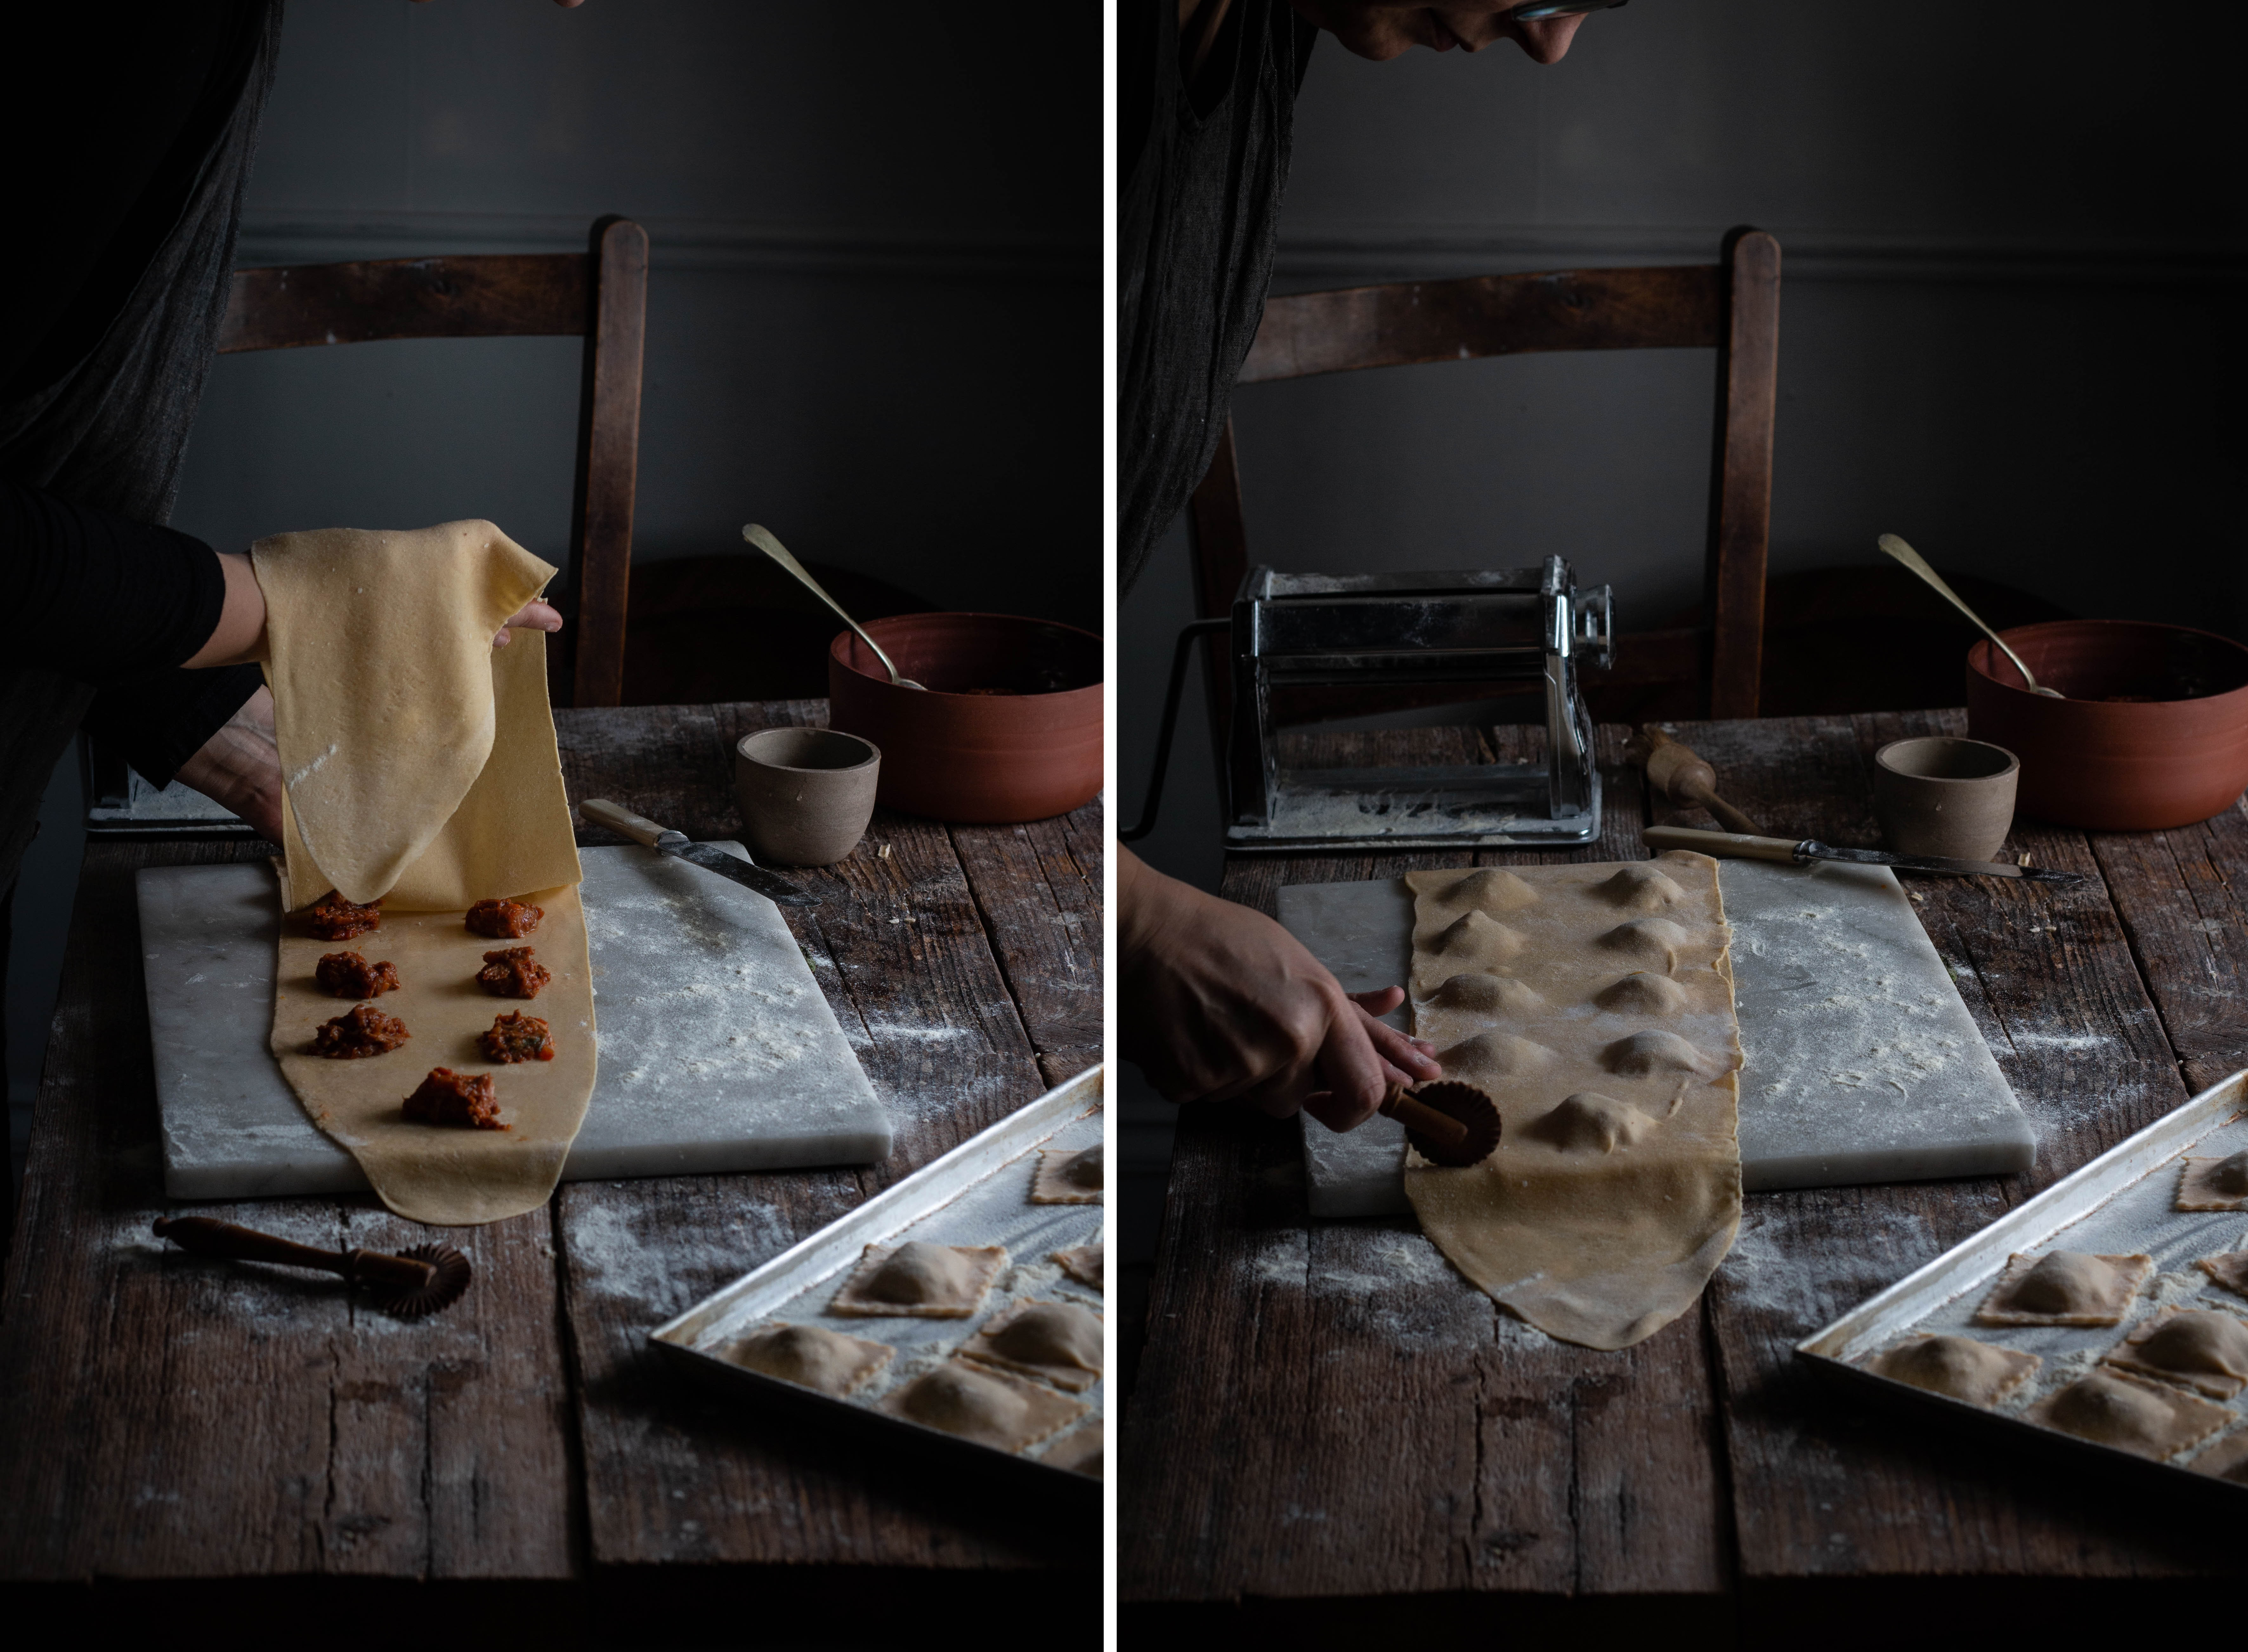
(1325, 1411)
(172, 1418)
(1408, 1436)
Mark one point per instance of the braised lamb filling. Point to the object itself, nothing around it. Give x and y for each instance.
(446, 1097)
(349, 975)
(333, 918)
(504, 920)
(362, 1031)
(516, 1037)
(513, 973)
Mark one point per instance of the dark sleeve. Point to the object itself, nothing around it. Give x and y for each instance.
(159, 722)
(97, 597)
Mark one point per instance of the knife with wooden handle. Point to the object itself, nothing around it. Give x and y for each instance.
(1803, 852)
(664, 840)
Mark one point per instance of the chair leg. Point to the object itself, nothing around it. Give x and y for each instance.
(1740, 488)
(1220, 548)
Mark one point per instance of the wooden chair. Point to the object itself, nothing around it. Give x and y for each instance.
(600, 294)
(1732, 306)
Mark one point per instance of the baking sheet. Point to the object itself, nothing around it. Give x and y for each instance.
(2121, 1203)
(978, 1193)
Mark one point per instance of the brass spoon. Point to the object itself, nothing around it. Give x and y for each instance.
(1912, 560)
(764, 540)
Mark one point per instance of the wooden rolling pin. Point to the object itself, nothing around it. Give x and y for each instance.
(1681, 775)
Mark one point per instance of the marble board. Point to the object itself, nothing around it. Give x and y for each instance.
(718, 1051)
(1863, 1064)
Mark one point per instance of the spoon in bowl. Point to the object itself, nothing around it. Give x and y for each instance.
(1912, 560)
(765, 541)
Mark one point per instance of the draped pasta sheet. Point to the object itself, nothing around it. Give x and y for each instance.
(420, 768)
(1595, 1003)
(418, 762)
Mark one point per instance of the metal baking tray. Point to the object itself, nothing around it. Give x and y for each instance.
(2121, 1203)
(978, 1193)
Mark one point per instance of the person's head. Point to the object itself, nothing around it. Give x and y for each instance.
(1383, 29)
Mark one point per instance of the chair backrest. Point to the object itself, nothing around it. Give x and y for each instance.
(600, 294)
(1732, 306)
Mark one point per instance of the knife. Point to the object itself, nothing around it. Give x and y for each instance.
(711, 858)
(1738, 845)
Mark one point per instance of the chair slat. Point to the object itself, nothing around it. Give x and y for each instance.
(1405, 322)
(488, 295)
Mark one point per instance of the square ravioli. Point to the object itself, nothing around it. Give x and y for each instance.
(2214, 1184)
(1057, 1342)
(921, 1281)
(809, 1357)
(991, 1407)
(1065, 1177)
(2130, 1414)
(2065, 1287)
(1960, 1367)
(2229, 1270)
(1082, 1452)
(1086, 1263)
(2199, 1348)
(2226, 1460)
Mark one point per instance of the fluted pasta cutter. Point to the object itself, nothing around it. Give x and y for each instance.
(1448, 1122)
(419, 1281)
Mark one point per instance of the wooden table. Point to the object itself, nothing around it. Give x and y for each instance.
(521, 1460)
(1333, 1434)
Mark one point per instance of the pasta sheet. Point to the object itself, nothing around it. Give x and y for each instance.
(1595, 1005)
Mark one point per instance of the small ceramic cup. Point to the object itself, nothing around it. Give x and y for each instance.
(1944, 797)
(806, 793)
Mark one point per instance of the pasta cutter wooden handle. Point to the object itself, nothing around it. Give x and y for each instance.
(1447, 1123)
(422, 1280)
(1680, 774)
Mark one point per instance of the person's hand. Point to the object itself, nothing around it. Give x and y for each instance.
(1220, 1003)
(240, 767)
(531, 616)
(239, 637)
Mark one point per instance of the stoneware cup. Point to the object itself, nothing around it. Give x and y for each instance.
(1945, 797)
(806, 793)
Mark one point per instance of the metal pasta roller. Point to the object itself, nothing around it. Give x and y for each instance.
(1307, 646)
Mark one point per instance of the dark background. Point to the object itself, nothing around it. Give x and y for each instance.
(2011, 242)
(873, 314)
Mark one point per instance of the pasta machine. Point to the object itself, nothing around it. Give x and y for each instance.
(1308, 649)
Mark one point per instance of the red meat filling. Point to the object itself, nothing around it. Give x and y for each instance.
(504, 920)
(333, 918)
(516, 1037)
(446, 1097)
(347, 975)
(513, 973)
(360, 1032)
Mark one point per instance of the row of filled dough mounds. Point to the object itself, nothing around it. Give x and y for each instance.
(1011, 1384)
(1467, 969)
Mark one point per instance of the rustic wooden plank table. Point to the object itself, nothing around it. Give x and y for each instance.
(521, 1457)
(1331, 1431)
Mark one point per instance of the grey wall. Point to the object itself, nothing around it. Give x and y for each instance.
(874, 322)
(873, 318)
(2013, 242)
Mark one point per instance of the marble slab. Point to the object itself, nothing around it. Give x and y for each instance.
(718, 1051)
(1862, 1064)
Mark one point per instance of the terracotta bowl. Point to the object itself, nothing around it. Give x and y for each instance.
(2154, 732)
(1010, 726)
